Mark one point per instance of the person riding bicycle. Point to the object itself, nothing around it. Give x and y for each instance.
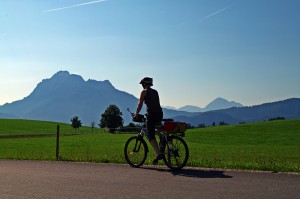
(154, 113)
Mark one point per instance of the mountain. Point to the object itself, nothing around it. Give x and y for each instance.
(65, 95)
(221, 103)
(190, 108)
(289, 109)
(7, 116)
(217, 104)
(169, 107)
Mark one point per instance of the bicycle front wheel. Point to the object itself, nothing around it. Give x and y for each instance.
(135, 151)
(176, 153)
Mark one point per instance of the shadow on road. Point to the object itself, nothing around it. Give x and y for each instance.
(190, 172)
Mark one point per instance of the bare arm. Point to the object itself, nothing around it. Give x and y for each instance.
(141, 101)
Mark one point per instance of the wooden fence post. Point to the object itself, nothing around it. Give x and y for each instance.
(57, 142)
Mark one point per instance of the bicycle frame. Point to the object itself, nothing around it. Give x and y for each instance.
(163, 136)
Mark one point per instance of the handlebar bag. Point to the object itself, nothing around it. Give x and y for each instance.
(139, 118)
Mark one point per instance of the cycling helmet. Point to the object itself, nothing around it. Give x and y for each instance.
(147, 80)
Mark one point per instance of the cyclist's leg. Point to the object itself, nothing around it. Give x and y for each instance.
(151, 134)
(152, 120)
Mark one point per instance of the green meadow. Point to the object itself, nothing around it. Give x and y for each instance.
(271, 146)
(12, 127)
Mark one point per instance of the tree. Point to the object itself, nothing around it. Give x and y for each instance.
(131, 125)
(277, 118)
(202, 125)
(111, 118)
(222, 123)
(93, 126)
(76, 122)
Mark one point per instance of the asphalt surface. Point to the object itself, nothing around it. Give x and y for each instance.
(43, 179)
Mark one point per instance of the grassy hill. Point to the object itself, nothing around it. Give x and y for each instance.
(32, 127)
(272, 145)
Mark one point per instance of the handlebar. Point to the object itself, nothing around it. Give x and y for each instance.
(137, 118)
(132, 114)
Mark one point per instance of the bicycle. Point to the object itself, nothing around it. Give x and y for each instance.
(174, 149)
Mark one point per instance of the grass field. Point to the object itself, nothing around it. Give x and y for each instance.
(273, 145)
(9, 127)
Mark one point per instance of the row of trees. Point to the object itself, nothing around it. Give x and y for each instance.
(202, 125)
(112, 119)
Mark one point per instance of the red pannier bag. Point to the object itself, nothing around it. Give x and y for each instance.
(175, 127)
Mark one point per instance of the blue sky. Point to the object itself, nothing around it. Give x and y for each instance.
(196, 50)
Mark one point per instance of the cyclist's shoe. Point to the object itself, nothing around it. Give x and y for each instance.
(157, 158)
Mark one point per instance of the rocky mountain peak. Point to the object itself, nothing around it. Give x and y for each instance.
(221, 103)
(61, 74)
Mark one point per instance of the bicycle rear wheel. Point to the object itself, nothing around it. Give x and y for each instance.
(176, 153)
(135, 151)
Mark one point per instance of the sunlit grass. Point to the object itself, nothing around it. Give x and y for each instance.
(273, 146)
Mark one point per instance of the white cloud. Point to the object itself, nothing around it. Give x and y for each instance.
(76, 5)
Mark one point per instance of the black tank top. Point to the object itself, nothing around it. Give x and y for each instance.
(152, 101)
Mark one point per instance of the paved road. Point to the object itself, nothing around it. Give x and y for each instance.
(38, 179)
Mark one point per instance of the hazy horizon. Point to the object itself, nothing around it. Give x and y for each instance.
(196, 51)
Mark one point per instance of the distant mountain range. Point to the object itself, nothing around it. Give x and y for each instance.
(217, 104)
(65, 95)
(289, 109)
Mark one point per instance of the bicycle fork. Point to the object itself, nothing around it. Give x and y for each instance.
(138, 143)
(137, 146)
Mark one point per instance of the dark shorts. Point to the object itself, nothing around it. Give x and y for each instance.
(152, 120)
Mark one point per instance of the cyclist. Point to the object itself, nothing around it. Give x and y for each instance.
(150, 97)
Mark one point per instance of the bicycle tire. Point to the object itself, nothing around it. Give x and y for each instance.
(135, 151)
(177, 156)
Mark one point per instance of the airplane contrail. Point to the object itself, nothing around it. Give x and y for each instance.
(213, 14)
(76, 5)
